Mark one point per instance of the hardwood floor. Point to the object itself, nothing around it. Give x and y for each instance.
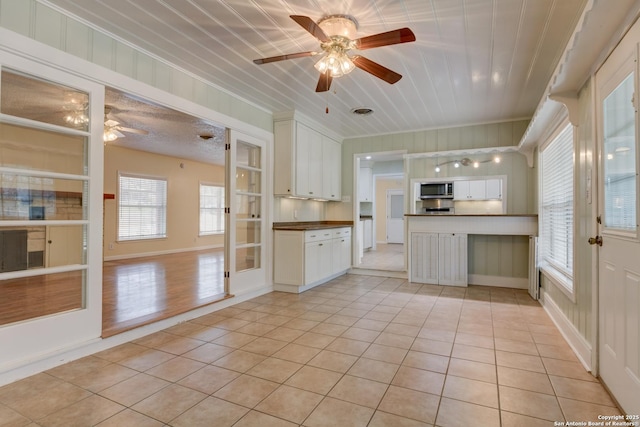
(135, 292)
(140, 291)
(29, 297)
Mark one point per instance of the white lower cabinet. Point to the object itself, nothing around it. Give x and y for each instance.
(303, 259)
(439, 258)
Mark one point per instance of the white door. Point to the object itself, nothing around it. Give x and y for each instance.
(395, 216)
(619, 253)
(246, 193)
(46, 157)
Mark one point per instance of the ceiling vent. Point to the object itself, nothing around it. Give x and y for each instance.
(362, 111)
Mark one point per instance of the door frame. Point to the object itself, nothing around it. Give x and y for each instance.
(357, 158)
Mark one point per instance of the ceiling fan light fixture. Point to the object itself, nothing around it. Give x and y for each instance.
(335, 62)
(339, 25)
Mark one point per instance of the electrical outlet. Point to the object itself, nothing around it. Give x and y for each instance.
(110, 246)
(295, 214)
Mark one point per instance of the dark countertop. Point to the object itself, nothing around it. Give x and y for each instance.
(311, 225)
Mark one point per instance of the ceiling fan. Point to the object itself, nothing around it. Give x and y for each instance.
(113, 130)
(336, 35)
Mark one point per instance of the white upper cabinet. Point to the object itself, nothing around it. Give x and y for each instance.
(365, 185)
(494, 189)
(478, 189)
(332, 169)
(307, 163)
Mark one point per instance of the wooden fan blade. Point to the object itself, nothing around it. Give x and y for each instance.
(402, 35)
(116, 133)
(131, 130)
(309, 25)
(376, 69)
(324, 82)
(283, 57)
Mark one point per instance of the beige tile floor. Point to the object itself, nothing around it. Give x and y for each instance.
(357, 351)
(386, 256)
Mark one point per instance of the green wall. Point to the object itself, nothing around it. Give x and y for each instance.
(503, 256)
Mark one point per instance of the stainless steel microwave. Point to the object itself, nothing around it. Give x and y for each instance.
(436, 190)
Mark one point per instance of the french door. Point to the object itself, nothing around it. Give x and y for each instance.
(246, 208)
(51, 174)
(618, 234)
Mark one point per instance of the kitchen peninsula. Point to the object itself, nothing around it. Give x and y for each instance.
(438, 251)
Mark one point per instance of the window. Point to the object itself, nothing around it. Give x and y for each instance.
(556, 210)
(142, 208)
(211, 209)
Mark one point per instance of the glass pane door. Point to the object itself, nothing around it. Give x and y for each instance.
(619, 158)
(248, 241)
(246, 217)
(51, 157)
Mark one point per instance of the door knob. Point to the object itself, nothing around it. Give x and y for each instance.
(595, 240)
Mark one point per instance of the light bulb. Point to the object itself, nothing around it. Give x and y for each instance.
(437, 169)
(456, 164)
(496, 159)
(476, 164)
(109, 136)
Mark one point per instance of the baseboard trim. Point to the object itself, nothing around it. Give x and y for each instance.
(379, 273)
(155, 253)
(296, 289)
(576, 341)
(499, 281)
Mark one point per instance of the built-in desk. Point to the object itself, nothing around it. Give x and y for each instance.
(437, 244)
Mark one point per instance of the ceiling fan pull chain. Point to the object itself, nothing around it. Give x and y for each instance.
(326, 111)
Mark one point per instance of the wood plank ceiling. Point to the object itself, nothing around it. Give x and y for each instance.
(474, 61)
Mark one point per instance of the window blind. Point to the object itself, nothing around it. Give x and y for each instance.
(211, 209)
(556, 195)
(142, 208)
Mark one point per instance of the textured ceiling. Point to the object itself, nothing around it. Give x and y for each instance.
(169, 132)
(474, 61)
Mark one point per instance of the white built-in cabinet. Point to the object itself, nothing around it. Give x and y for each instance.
(307, 163)
(439, 258)
(478, 189)
(303, 259)
(365, 185)
(367, 231)
(332, 166)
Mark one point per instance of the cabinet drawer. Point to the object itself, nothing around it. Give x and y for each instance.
(341, 232)
(317, 235)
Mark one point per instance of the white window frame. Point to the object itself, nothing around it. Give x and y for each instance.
(162, 235)
(217, 208)
(558, 274)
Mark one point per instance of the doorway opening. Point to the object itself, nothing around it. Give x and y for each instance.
(379, 209)
(164, 221)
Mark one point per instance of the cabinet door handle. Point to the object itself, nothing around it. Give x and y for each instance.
(320, 244)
